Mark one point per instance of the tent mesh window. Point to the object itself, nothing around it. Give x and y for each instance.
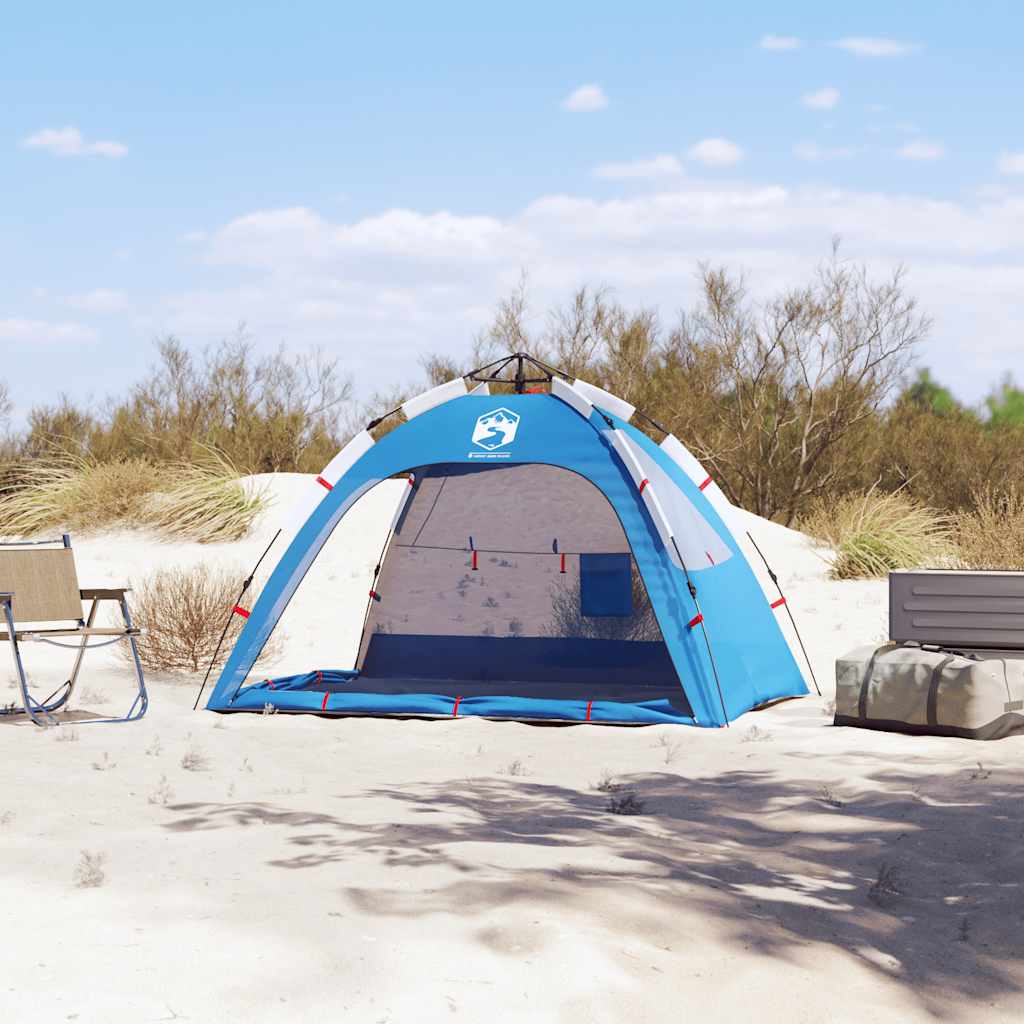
(514, 580)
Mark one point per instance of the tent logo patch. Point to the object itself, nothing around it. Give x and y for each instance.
(495, 429)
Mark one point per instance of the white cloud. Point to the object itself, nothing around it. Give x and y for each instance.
(814, 153)
(822, 99)
(1010, 163)
(870, 46)
(663, 166)
(586, 99)
(404, 282)
(39, 332)
(69, 142)
(921, 149)
(99, 300)
(716, 152)
(779, 43)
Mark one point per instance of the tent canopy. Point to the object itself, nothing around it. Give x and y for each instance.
(548, 561)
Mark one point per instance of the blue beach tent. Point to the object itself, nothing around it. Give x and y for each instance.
(548, 561)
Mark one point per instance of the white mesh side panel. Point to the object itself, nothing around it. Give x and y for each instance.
(698, 541)
(627, 453)
(435, 396)
(571, 396)
(605, 400)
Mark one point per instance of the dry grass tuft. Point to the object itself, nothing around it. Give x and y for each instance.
(206, 503)
(874, 533)
(182, 614)
(991, 536)
(202, 501)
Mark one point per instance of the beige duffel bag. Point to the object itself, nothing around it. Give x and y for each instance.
(928, 691)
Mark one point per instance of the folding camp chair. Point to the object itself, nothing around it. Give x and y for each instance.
(41, 601)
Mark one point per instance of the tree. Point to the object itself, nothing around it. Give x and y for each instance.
(770, 394)
(1006, 405)
(927, 395)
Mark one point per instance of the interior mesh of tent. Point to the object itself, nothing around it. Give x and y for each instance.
(514, 579)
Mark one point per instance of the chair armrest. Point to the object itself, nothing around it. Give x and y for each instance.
(104, 593)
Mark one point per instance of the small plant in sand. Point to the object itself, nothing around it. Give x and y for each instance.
(887, 886)
(6, 817)
(873, 533)
(670, 748)
(155, 748)
(828, 709)
(194, 760)
(515, 767)
(625, 801)
(979, 773)
(104, 764)
(182, 612)
(606, 783)
(829, 796)
(269, 709)
(89, 872)
(91, 696)
(755, 735)
(65, 734)
(163, 794)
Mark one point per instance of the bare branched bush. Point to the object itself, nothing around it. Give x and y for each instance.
(194, 760)
(182, 613)
(873, 533)
(991, 536)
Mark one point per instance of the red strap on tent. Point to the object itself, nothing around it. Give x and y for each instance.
(590, 704)
(323, 707)
(706, 482)
(643, 484)
(474, 559)
(455, 710)
(412, 480)
(562, 569)
(374, 595)
(781, 601)
(695, 621)
(239, 610)
(323, 483)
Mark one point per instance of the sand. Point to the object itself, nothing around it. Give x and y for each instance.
(279, 868)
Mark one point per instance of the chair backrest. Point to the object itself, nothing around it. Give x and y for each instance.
(44, 583)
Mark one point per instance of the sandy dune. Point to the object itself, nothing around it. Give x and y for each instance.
(294, 868)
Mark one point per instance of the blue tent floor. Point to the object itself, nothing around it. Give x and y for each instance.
(347, 693)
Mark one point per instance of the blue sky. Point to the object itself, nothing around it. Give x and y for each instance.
(370, 182)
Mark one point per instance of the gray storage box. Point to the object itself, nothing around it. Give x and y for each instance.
(953, 609)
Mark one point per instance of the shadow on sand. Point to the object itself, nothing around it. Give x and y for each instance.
(918, 877)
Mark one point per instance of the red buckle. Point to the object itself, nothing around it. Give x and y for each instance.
(323, 483)
(781, 601)
(239, 610)
(706, 482)
(695, 621)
